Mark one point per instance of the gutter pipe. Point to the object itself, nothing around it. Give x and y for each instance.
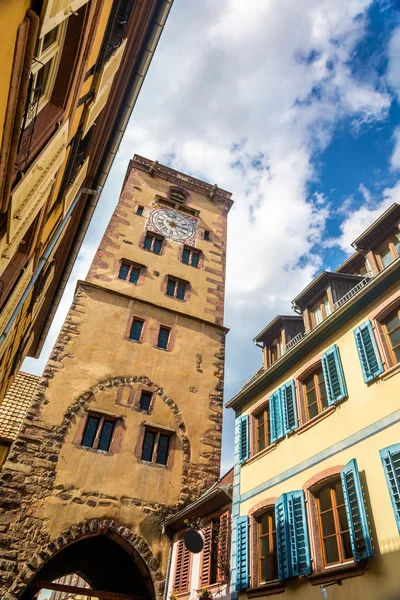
(125, 112)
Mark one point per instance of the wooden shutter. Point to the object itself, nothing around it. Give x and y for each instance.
(276, 416)
(223, 546)
(333, 375)
(300, 560)
(205, 568)
(390, 457)
(289, 407)
(355, 510)
(282, 538)
(30, 194)
(16, 296)
(103, 87)
(182, 568)
(370, 360)
(242, 553)
(75, 186)
(56, 11)
(244, 438)
(42, 296)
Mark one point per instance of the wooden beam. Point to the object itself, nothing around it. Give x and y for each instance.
(73, 589)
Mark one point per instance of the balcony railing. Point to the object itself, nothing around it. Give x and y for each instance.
(28, 125)
(294, 341)
(351, 293)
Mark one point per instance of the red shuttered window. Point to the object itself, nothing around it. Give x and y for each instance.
(182, 568)
(214, 559)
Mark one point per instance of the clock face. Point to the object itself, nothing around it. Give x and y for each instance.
(172, 224)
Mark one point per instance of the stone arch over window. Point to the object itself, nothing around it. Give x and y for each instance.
(47, 563)
(178, 194)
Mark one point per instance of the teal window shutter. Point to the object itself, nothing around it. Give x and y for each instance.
(368, 352)
(244, 438)
(355, 510)
(289, 407)
(242, 553)
(391, 465)
(300, 558)
(282, 538)
(333, 375)
(276, 416)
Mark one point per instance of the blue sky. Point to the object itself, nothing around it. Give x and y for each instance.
(294, 108)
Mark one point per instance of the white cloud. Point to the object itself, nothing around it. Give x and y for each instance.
(393, 74)
(245, 94)
(395, 160)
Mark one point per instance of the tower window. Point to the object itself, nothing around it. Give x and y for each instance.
(176, 288)
(139, 210)
(156, 446)
(177, 196)
(190, 256)
(136, 330)
(163, 338)
(98, 433)
(206, 235)
(153, 243)
(129, 272)
(145, 400)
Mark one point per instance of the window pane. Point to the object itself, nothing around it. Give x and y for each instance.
(396, 242)
(397, 354)
(325, 502)
(343, 524)
(267, 569)
(261, 444)
(136, 330)
(392, 322)
(195, 259)
(134, 275)
(264, 545)
(311, 397)
(170, 287)
(386, 256)
(339, 493)
(148, 445)
(318, 316)
(264, 523)
(41, 81)
(157, 246)
(206, 235)
(139, 211)
(181, 291)
(331, 550)
(90, 431)
(395, 337)
(123, 271)
(163, 449)
(327, 306)
(145, 400)
(50, 38)
(328, 523)
(185, 256)
(309, 383)
(147, 242)
(163, 336)
(347, 551)
(106, 435)
(313, 411)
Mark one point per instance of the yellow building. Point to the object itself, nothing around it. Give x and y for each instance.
(316, 503)
(71, 73)
(126, 424)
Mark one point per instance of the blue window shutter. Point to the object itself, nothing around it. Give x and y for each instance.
(134, 276)
(282, 538)
(157, 246)
(289, 407)
(333, 375)
(368, 352)
(89, 435)
(123, 271)
(163, 337)
(170, 287)
(242, 553)
(185, 256)
(147, 242)
(299, 545)
(244, 438)
(390, 457)
(355, 510)
(136, 330)
(180, 292)
(195, 259)
(106, 435)
(276, 416)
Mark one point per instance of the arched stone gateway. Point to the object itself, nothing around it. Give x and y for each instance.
(110, 556)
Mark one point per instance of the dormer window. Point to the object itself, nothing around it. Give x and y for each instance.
(320, 311)
(389, 251)
(177, 195)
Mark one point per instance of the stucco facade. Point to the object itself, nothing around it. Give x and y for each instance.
(316, 452)
(97, 374)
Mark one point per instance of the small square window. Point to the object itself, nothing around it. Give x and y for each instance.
(176, 288)
(153, 243)
(190, 256)
(163, 338)
(129, 271)
(148, 445)
(139, 211)
(123, 271)
(206, 235)
(145, 400)
(98, 433)
(136, 330)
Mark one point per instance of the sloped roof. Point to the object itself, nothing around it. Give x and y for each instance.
(16, 403)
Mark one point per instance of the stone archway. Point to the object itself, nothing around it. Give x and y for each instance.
(47, 562)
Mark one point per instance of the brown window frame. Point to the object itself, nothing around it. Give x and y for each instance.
(102, 417)
(314, 374)
(131, 265)
(386, 333)
(390, 244)
(320, 304)
(153, 236)
(264, 409)
(276, 343)
(158, 432)
(213, 570)
(270, 513)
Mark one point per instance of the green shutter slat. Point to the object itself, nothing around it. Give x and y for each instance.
(170, 287)
(370, 360)
(282, 538)
(195, 259)
(242, 553)
(390, 457)
(134, 276)
(123, 271)
(289, 407)
(244, 438)
(300, 559)
(333, 375)
(355, 510)
(276, 416)
(185, 256)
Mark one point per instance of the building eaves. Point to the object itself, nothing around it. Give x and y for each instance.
(318, 283)
(371, 233)
(278, 320)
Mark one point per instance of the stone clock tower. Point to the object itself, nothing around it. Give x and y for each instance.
(126, 425)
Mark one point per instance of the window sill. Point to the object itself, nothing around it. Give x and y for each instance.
(153, 464)
(333, 574)
(267, 589)
(390, 372)
(261, 454)
(308, 424)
